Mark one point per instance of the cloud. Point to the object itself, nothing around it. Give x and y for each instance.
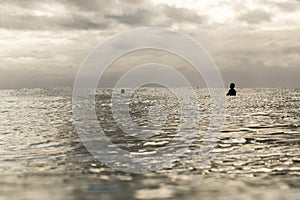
(255, 58)
(144, 17)
(93, 14)
(51, 15)
(90, 5)
(286, 6)
(181, 14)
(47, 40)
(70, 22)
(54, 15)
(255, 16)
(97, 6)
(163, 16)
(24, 4)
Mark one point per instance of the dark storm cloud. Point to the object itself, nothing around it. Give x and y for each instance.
(255, 16)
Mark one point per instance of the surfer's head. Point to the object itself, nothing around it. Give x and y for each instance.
(232, 85)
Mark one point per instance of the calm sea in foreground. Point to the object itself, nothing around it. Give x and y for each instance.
(256, 156)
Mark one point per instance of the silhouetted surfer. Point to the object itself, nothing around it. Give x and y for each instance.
(122, 91)
(231, 91)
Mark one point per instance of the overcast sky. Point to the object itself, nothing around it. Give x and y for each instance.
(255, 43)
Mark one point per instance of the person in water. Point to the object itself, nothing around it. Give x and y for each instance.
(231, 91)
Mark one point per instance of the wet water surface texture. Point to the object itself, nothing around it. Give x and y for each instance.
(255, 156)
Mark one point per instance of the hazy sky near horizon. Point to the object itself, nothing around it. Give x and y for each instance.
(255, 43)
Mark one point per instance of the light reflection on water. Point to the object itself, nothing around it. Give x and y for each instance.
(256, 157)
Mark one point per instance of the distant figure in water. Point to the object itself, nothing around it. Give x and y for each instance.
(231, 91)
(122, 91)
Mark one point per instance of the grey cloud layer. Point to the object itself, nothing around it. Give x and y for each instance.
(31, 22)
(255, 16)
(45, 41)
(161, 15)
(288, 6)
(98, 14)
(93, 14)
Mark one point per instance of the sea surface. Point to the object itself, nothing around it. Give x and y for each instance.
(256, 155)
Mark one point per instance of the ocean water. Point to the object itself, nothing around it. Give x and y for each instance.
(255, 156)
